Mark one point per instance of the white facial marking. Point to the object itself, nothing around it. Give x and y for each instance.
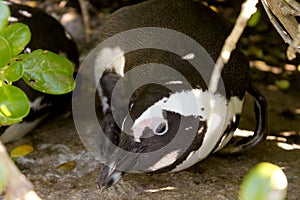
(159, 126)
(189, 103)
(193, 102)
(111, 59)
(218, 120)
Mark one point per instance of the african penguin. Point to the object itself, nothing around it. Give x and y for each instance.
(47, 34)
(175, 118)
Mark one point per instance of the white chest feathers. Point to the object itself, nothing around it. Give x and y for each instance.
(221, 115)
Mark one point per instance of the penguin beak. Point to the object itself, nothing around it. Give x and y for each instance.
(109, 176)
(121, 161)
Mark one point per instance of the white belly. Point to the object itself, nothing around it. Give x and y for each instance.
(217, 123)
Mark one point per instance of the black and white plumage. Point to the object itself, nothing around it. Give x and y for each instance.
(157, 114)
(47, 34)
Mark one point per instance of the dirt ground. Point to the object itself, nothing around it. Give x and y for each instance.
(61, 168)
(56, 142)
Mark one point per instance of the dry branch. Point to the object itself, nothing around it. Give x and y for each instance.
(16, 184)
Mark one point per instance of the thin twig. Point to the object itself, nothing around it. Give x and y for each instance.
(86, 19)
(248, 9)
(294, 46)
(17, 186)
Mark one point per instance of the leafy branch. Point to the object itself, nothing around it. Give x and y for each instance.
(44, 71)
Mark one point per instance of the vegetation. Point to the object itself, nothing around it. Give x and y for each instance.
(42, 70)
(265, 181)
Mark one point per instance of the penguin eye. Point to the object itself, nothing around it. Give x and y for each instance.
(161, 129)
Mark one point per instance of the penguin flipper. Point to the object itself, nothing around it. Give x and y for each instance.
(109, 137)
(237, 144)
(107, 84)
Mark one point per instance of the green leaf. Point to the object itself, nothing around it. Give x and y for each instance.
(14, 72)
(18, 36)
(265, 181)
(6, 121)
(4, 14)
(255, 18)
(68, 166)
(5, 53)
(14, 104)
(48, 72)
(282, 84)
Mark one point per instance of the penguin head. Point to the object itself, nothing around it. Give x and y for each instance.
(164, 135)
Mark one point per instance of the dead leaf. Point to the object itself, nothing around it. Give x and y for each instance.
(67, 166)
(20, 151)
